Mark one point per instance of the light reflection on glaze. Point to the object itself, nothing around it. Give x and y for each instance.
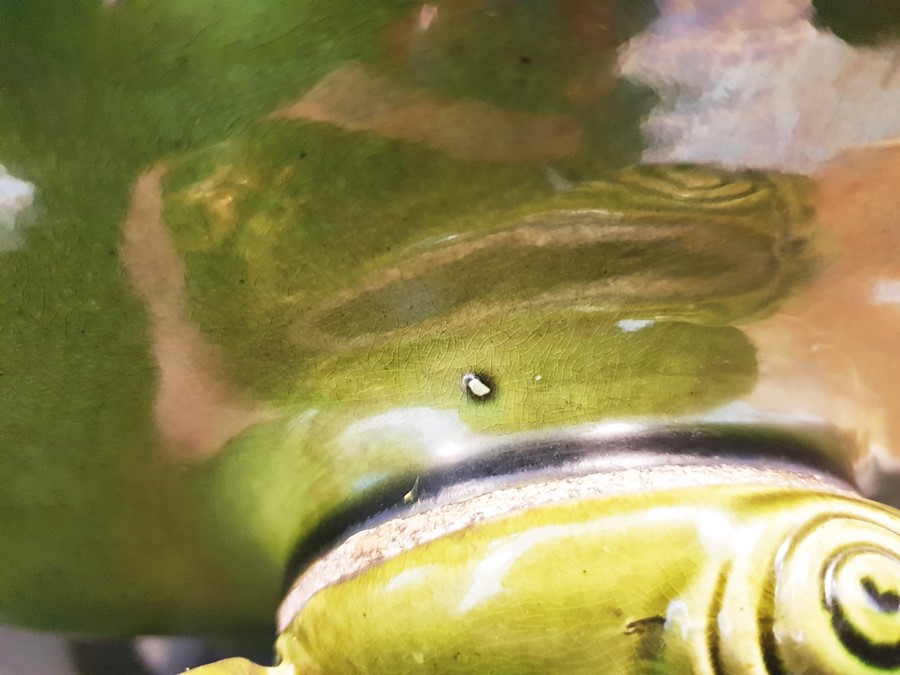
(715, 532)
(886, 292)
(500, 593)
(16, 196)
(116, 373)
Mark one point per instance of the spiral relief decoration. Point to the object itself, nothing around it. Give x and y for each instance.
(697, 185)
(657, 241)
(862, 591)
(829, 601)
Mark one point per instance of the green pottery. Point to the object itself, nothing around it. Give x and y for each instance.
(479, 336)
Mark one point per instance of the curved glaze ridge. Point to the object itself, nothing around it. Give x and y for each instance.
(727, 579)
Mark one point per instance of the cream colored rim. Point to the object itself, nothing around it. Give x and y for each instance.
(456, 512)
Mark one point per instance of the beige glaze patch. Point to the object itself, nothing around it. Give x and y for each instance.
(833, 350)
(197, 411)
(355, 98)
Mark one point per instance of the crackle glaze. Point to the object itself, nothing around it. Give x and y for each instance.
(500, 336)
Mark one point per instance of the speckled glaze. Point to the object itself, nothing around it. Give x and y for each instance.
(537, 280)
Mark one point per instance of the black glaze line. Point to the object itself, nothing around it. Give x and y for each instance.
(651, 641)
(707, 444)
(713, 639)
(887, 602)
(765, 630)
(883, 656)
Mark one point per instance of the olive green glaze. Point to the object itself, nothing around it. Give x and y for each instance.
(727, 579)
(102, 526)
(367, 409)
(459, 249)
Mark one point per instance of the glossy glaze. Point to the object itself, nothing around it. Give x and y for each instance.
(680, 585)
(757, 571)
(260, 259)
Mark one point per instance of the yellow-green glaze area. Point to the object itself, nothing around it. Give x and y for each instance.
(461, 249)
(548, 375)
(728, 579)
(578, 304)
(359, 410)
(339, 283)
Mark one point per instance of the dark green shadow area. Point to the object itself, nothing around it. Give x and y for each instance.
(859, 22)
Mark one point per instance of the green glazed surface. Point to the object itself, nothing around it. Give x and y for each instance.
(727, 579)
(341, 279)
